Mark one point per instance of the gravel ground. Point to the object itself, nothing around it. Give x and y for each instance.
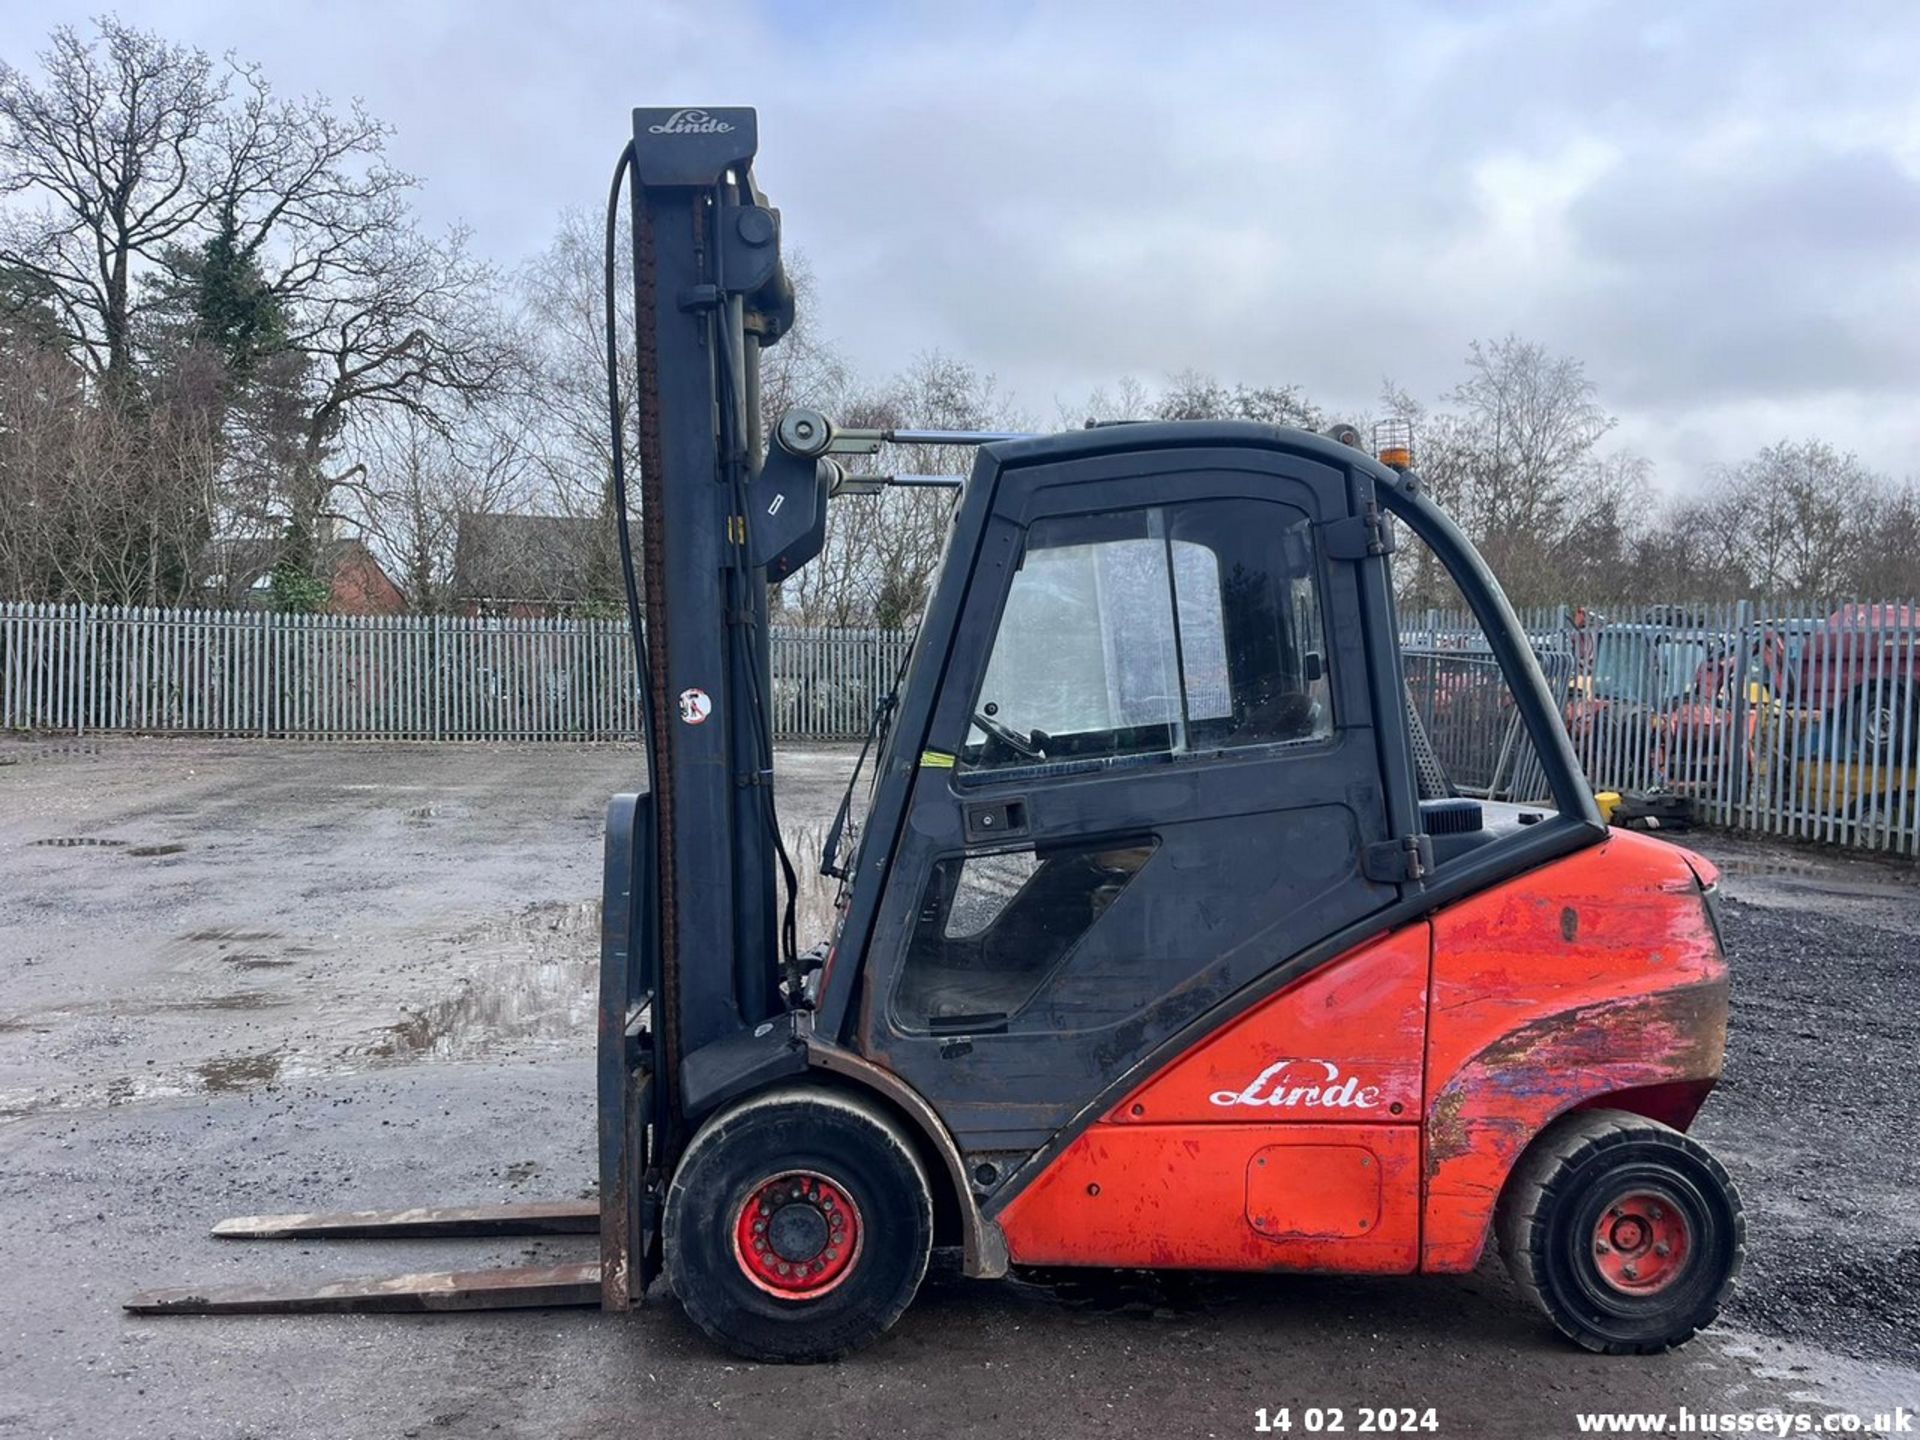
(1811, 1117)
(279, 976)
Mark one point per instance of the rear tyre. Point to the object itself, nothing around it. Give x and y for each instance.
(798, 1226)
(1627, 1234)
(1879, 716)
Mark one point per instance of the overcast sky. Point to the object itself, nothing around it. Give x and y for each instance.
(1716, 206)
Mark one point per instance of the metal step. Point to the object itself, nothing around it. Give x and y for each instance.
(542, 1217)
(523, 1287)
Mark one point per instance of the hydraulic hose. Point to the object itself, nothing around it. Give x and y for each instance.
(616, 419)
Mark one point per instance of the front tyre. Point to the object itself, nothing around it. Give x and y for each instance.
(1625, 1232)
(798, 1225)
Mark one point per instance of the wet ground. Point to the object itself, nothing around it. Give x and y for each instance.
(247, 977)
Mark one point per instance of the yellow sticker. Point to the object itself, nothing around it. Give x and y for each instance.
(936, 760)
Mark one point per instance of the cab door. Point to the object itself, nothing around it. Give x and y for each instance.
(1151, 777)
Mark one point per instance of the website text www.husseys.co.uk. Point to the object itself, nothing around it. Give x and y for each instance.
(1898, 1421)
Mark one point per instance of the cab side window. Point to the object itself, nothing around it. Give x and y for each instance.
(1153, 633)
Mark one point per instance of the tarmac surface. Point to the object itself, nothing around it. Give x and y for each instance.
(246, 977)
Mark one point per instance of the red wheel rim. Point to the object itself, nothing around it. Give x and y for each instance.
(797, 1235)
(1641, 1242)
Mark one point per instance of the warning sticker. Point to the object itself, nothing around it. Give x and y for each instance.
(695, 706)
(936, 760)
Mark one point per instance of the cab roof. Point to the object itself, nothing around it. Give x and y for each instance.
(1125, 436)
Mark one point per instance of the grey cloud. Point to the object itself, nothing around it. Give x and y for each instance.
(1274, 193)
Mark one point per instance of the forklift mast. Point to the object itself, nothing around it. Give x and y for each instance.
(710, 292)
(690, 926)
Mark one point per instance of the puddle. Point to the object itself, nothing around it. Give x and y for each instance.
(539, 981)
(239, 1000)
(1772, 874)
(47, 752)
(239, 1072)
(523, 983)
(1856, 882)
(1821, 1377)
(1770, 865)
(814, 914)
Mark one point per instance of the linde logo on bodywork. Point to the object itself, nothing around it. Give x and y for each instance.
(1295, 1084)
(690, 122)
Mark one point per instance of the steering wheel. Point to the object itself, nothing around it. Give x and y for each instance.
(1013, 739)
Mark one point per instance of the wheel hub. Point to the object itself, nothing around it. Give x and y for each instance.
(1641, 1243)
(797, 1235)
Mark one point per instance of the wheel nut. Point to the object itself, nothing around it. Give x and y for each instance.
(1657, 1213)
(1600, 1247)
(1663, 1248)
(1631, 1272)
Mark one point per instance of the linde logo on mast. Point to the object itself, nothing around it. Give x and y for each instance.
(1294, 1084)
(690, 122)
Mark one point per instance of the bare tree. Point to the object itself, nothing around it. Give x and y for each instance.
(1193, 395)
(98, 502)
(1514, 459)
(881, 550)
(804, 368)
(1129, 399)
(113, 155)
(402, 322)
(423, 480)
(563, 304)
(375, 316)
(1797, 509)
(1887, 538)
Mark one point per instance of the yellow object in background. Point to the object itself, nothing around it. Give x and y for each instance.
(1608, 801)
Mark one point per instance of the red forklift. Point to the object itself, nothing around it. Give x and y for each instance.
(1163, 941)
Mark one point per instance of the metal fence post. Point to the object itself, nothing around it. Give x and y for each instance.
(1746, 643)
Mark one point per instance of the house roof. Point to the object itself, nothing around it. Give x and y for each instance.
(531, 559)
(236, 564)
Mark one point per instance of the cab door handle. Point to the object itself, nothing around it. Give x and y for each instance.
(996, 819)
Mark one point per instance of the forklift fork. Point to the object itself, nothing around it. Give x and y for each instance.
(626, 1216)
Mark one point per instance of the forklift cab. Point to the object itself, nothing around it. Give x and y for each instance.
(1153, 764)
(1137, 766)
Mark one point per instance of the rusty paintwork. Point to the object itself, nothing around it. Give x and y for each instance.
(983, 1250)
(1595, 978)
